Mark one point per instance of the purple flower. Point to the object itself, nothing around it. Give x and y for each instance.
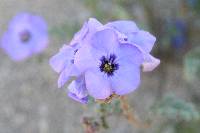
(63, 61)
(109, 66)
(104, 59)
(26, 35)
(178, 34)
(138, 37)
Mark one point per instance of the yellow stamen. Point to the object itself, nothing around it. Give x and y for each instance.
(107, 67)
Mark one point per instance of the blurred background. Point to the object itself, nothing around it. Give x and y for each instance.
(169, 96)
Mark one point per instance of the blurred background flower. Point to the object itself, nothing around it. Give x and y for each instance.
(26, 35)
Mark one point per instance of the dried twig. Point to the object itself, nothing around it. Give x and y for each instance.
(129, 116)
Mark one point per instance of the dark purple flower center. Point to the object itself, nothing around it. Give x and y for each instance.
(75, 51)
(25, 36)
(108, 64)
(125, 39)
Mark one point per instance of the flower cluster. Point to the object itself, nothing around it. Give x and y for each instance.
(26, 35)
(104, 59)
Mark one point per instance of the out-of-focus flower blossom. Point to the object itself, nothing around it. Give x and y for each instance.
(142, 39)
(110, 66)
(178, 34)
(26, 35)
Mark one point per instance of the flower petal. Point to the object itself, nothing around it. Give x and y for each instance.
(80, 34)
(84, 60)
(150, 63)
(105, 40)
(143, 39)
(40, 33)
(20, 22)
(81, 100)
(124, 26)
(78, 87)
(14, 48)
(97, 84)
(126, 79)
(86, 31)
(130, 53)
(62, 59)
(93, 25)
(66, 74)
